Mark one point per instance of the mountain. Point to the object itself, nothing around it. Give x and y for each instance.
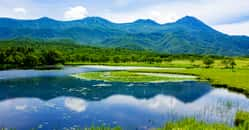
(187, 35)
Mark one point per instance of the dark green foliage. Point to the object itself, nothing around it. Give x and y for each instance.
(229, 63)
(208, 61)
(232, 63)
(28, 53)
(52, 57)
(186, 36)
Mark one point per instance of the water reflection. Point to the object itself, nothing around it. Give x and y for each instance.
(63, 102)
(50, 87)
(12, 74)
(75, 104)
(126, 111)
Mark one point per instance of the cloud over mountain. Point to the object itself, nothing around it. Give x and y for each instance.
(76, 12)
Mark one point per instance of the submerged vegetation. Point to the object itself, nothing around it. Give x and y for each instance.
(125, 76)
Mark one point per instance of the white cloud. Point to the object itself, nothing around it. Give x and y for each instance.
(76, 12)
(21, 107)
(75, 104)
(159, 103)
(22, 11)
(234, 29)
(214, 12)
(122, 2)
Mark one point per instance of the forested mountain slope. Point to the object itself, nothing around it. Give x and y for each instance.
(187, 35)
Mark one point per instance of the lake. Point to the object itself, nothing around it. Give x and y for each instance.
(52, 99)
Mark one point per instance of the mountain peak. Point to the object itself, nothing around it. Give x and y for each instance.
(189, 20)
(95, 20)
(45, 19)
(193, 22)
(146, 21)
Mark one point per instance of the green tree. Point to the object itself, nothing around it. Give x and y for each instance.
(19, 59)
(116, 59)
(31, 60)
(232, 63)
(229, 63)
(10, 60)
(208, 62)
(225, 62)
(53, 57)
(2, 56)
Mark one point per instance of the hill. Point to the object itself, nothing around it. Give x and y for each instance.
(188, 35)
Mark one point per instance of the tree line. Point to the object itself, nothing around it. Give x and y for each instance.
(30, 53)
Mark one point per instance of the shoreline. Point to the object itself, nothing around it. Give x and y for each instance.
(216, 85)
(132, 68)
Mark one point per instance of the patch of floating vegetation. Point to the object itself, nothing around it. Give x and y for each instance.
(125, 76)
(102, 85)
(169, 75)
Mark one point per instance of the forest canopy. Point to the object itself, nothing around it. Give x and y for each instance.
(29, 53)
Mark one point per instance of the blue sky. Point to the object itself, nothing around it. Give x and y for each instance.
(228, 16)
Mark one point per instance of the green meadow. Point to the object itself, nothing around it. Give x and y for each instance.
(236, 79)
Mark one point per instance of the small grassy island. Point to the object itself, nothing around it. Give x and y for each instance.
(126, 76)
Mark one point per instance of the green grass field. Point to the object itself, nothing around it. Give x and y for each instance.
(237, 79)
(242, 63)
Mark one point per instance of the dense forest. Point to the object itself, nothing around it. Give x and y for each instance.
(28, 53)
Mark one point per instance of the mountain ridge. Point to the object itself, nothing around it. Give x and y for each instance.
(187, 35)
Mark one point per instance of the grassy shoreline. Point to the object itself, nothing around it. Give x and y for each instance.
(242, 63)
(234, 80)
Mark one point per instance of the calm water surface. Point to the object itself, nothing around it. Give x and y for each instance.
(54, 100)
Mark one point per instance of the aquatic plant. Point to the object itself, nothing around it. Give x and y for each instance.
(125, 76)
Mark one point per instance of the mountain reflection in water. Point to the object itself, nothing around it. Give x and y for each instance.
(47, 88)
(63, 102)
